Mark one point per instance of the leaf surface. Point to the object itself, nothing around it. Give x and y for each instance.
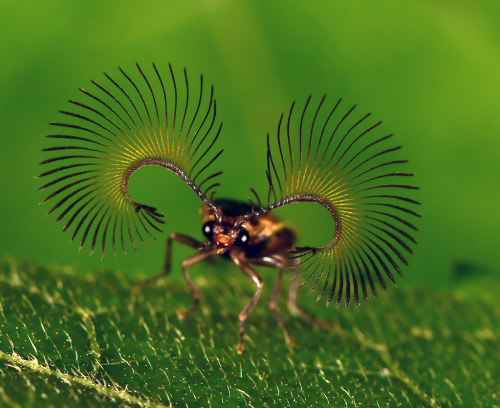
(72, 341)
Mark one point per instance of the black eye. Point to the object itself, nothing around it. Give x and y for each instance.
(208, 229)
(242, 238)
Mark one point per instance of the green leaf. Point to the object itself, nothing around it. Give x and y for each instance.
(69, 341)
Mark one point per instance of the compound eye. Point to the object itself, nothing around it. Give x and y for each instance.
(208, 229)
(242, 238)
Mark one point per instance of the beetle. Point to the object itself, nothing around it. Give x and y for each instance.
(324, 155)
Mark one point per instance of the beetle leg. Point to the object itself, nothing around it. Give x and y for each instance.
(274, 307)
(278, 263)
(296, 309)
(182, 239)
(190, 261)
(257, 280)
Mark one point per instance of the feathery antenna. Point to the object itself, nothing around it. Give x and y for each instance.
(340, 162)
(122, 126)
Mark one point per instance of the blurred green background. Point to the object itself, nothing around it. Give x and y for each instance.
(429, 70)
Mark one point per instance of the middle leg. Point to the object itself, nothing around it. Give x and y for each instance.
(279, 263)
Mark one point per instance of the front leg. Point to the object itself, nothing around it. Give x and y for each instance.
(238, 258)
(182, 239)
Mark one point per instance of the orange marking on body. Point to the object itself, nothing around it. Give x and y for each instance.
(224, 240)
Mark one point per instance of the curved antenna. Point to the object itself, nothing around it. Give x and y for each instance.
(125, 124)
(338, 160)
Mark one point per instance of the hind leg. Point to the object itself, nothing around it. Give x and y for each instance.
(274, 307)
(296, 309)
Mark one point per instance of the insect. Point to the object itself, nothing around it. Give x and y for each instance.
(320, 152)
